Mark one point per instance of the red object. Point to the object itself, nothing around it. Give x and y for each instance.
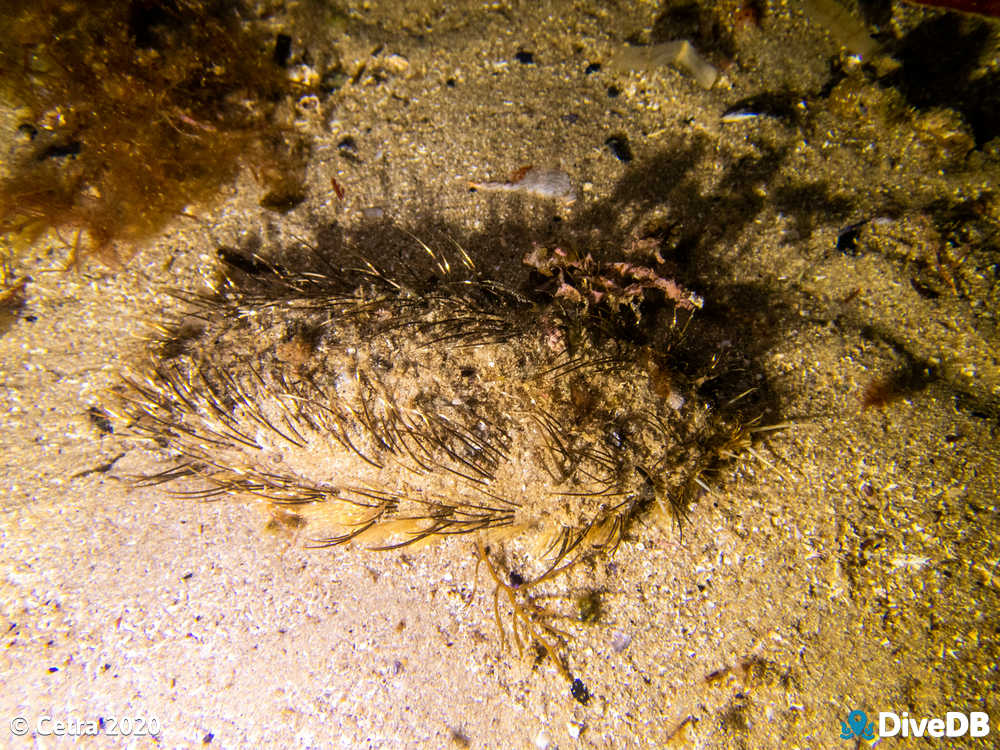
(337, 188)
(517, 176)
(982, 7)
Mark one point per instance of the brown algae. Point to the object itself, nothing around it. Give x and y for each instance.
(133, 112)
(369, 409)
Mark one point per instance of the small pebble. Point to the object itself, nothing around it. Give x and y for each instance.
(282, 49)
(525, 58)
(847, 240)
(619, 148)
(348, 148)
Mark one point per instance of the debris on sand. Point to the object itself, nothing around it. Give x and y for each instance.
(589, 283)
(843, 26)
(544, 183)
(681, 54)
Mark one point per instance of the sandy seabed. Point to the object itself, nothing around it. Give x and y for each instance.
(853, 566)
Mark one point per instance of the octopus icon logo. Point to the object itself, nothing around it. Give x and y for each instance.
(857, 726)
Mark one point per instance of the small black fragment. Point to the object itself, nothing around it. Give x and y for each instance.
(592, 68)
(614, 91)
(540, 654)
(53, 669)
(516, 579)
(282, 49)
(525, 58)
(252, 266)
(619, 148)
(579, 691)
(59, 150)
(348, 148)
(282, 200)
(207, 739)
(923, 290)
(100, 419)
(847, 240)
(779, 106)
(187, 576)
(450, 83)
(99, 469)
(31, 318)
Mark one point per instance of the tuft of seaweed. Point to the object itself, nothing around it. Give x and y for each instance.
(618, 284)
(130, 112)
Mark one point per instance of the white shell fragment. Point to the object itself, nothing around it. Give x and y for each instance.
(544, 183)
(681, 54)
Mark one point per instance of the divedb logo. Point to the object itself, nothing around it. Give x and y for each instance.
(954, 724)
(891, 724)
